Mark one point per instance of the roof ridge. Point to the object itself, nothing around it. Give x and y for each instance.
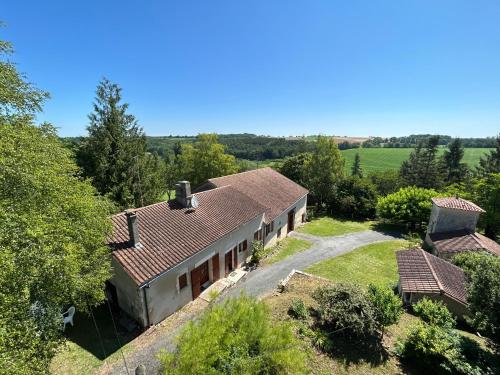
(234, 174)
(215, 188)
(438, 282)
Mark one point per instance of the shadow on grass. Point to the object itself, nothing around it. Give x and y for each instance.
(396, 230)
(104, 341)
(368, 350)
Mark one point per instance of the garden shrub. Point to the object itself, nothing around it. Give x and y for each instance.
(298, 309)
(387, 306)
(257, 252)
(346, 308)
(236, 337)
(434, 313)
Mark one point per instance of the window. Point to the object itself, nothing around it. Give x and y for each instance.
(183, 282)
(257, 236)
(269, 228)
(240, 247)
(245, 245)
(279, 232)
(303, 218)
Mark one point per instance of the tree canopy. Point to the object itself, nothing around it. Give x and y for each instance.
(19, 98)
(236, 337)
(423, 169)
(53, 245)
(204, 159)
(410, 205)
(325, 169)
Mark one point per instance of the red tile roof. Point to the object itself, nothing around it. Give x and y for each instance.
(271, 189)
(421, 272)
(462, 240)
(457, 204)
(170, 234)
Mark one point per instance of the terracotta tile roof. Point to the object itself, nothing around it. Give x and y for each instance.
(170, 234)
(271, 189)
(421, 272)
(457, 203)
(462, 240)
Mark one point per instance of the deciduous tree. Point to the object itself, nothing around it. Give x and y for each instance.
(204, 159)
(410, 205)
(325, 169)
(52, 241)
(388, 307)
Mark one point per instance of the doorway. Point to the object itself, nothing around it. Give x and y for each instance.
(228, 262)
(291, 221)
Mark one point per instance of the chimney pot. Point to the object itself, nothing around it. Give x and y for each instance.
(133, 229)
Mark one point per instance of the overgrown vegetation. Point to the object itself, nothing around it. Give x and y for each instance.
(236, 337)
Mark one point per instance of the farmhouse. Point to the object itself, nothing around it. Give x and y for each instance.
(425, 275)
(452, 228)
(166, 254)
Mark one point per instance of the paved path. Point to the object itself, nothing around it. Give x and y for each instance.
(256, 283)
(266, 279)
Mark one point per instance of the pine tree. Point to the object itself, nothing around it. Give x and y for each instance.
(455, 171)
(356, 169)
(491, 162)
(423, 169)
(114, 153)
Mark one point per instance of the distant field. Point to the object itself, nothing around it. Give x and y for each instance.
(380, 159)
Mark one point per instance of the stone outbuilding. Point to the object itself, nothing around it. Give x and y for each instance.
(452, 228)
(422, 274)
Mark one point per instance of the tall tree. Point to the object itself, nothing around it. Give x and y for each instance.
(356, 169)
(52, 242)
(491, 162)
(423, 169)
(454, 169)
(114, 153)
(20, 100)
(294, 167)
(325, 169)
(204, 159)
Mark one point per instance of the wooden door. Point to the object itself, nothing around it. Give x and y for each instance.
(291, 221)
(228, 262)
(195, 282)
(215, 267)
(235, 255)
(204, 275)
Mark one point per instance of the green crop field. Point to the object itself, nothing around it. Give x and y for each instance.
(380, 159)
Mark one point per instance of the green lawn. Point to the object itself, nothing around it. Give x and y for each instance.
(85, 351)
(287, 247)
(328, 226)
(381, 159)
(375, 263)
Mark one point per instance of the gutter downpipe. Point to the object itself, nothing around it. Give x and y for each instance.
(148, 321)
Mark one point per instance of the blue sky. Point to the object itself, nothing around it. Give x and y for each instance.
(276, 67)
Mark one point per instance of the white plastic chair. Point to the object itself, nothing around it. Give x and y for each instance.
(68, 316)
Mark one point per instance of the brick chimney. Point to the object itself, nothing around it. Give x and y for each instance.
(133, 229)
(183, 193)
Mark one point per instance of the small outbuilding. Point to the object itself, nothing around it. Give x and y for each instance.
(452, 228)
(422, 274)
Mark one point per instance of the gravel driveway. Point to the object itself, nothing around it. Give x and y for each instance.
(256, 283)
(264, 280)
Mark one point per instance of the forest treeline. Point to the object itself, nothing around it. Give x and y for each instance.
(258, 147)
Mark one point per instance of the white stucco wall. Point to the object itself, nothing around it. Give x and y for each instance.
(447, 220)
(282, 221)
(163, 295)
(130, 298)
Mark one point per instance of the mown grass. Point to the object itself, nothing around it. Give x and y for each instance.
(381, 159)
(328, 226)
(285, 248)
(374, 263)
